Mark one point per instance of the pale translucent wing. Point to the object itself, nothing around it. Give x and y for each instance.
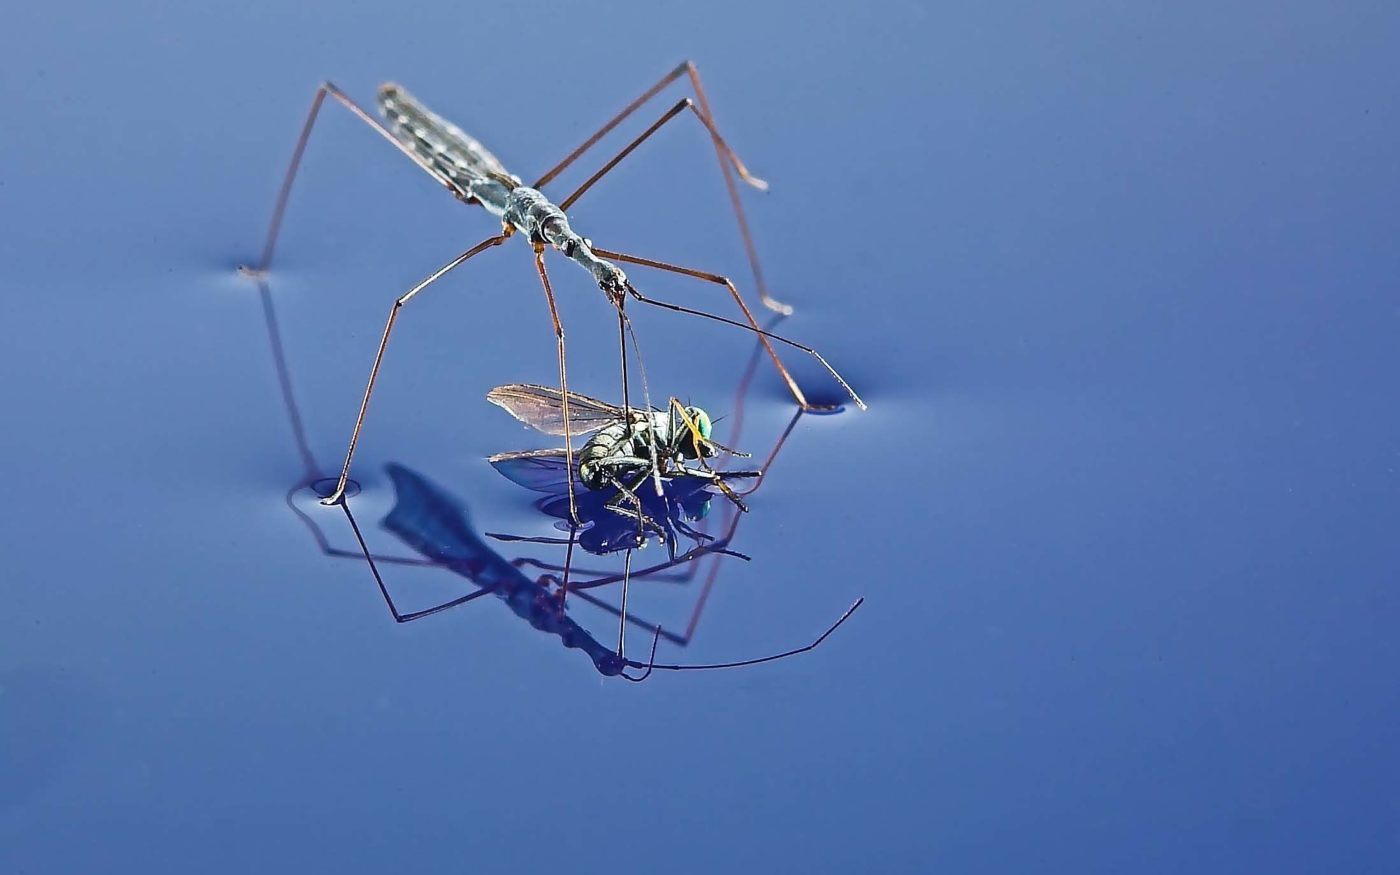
(539, 470)
(437, 141)
(542, 407)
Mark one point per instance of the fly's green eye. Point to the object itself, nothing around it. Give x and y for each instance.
(701, 420)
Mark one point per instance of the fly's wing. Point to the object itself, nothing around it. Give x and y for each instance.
(538, 470)
(542, 407)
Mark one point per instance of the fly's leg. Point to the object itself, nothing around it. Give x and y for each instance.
(563, 378)
(384, 590)
(729, 164)
(627, 493)
(697, 536)
(275, 226)
(764, 335)
(717, 481)
(338, 496)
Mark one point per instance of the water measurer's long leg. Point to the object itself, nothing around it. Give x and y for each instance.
(275, 226)
(677, 109)
(681, 107)
(339, 494)
(563, 380)
(752, 325)
(728, 164)
(673, 112)
(384, 590)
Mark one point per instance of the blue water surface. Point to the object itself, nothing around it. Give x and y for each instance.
(1118, 283)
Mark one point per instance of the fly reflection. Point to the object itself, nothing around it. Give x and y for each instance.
(671, 514)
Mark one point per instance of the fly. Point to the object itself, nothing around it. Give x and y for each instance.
(628, 447)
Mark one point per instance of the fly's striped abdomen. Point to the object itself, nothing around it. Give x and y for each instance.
(610, 442)
(442, 144)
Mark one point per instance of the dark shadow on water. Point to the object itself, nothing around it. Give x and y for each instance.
(436, 525)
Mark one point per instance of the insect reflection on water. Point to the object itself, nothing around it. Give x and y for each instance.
(473, 175)
(669, 513)
(435, 525)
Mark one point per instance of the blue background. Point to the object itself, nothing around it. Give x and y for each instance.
(1118, 283)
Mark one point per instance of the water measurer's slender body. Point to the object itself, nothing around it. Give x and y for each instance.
(475, 176)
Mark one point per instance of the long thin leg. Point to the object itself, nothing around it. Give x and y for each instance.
(338, 495)
(718, 548)
(728, 163)
(622, 611)
(563, 379)
(622, 351)
(568, 564)
(384, 590)
(740, 403)
(772, 454)
(323, 542)
(717, 480)
(531, 562)
(312, 470)
(674, 111)
(624, 327)
(752, 325)
(627, 493)
(635, 621)
(275, 227)
(652, 664)
(679, 107)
